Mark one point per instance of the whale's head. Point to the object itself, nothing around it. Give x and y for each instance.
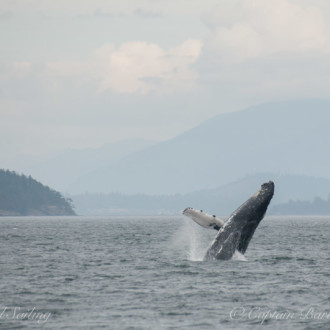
(266, 192)
(263, 197)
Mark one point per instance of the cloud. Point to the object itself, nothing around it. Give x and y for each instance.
(68, 89)
(260, 50)
(133, 67)
(97, 14)
(142, 67)
(114, 93)
(6, 14)
(144, 13)
(249, 29)
(9, 108)
(15, 70)
(139, 67)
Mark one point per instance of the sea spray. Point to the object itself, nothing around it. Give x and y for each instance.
(194, 252)
(191, 240)
(238, 256)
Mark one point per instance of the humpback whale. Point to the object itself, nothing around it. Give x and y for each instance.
(238, 230)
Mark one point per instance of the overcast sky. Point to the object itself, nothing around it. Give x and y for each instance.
(76, 74)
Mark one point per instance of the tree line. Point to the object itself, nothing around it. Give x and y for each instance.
(23, 195)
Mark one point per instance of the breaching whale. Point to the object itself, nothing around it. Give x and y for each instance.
(238, 230)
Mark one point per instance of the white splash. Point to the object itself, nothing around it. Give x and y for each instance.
(238, 256)
(189, 239)
(193, 243)
(194, 251)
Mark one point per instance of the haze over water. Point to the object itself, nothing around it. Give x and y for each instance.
(147, 273)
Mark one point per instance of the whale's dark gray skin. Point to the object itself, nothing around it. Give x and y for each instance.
(241, 225)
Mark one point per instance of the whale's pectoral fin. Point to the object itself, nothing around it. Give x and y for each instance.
(203, 219)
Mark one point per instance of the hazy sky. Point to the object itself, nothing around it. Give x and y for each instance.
(77, 73)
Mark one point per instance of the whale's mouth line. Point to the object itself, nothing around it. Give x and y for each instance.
(234, 235)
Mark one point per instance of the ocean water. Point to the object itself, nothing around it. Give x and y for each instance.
(148, 273)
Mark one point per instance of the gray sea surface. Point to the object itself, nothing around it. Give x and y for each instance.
(148, 273)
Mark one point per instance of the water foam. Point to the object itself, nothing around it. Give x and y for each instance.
(188, 239)
(195, 252)
(238, 256)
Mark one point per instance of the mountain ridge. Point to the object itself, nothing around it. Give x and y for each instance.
(282, 137)
(71, 164)
(220, 201)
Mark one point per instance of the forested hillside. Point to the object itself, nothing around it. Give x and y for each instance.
(22, 195)
(318, 206)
